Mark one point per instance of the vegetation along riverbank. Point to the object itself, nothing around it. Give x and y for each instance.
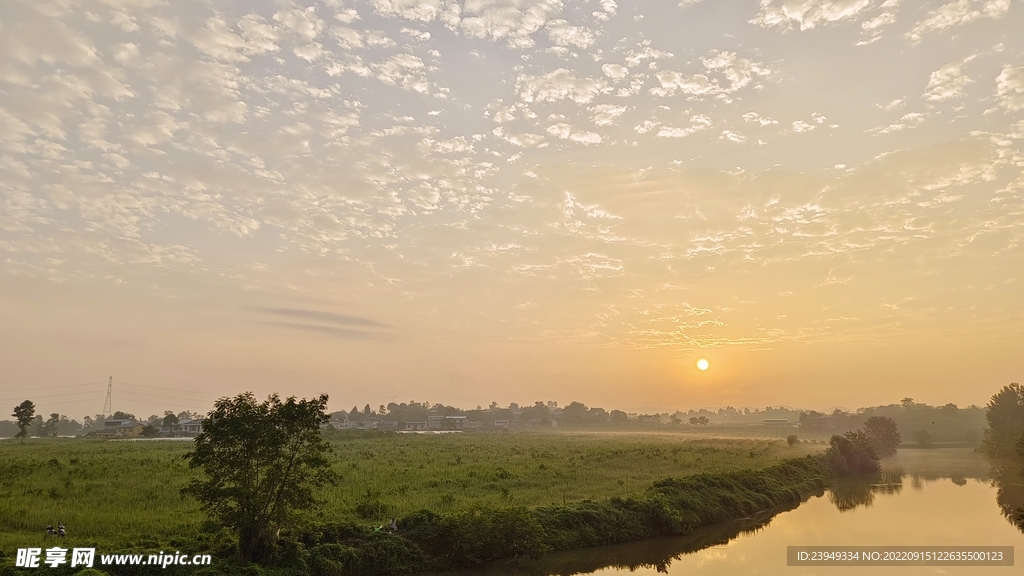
(264, 489)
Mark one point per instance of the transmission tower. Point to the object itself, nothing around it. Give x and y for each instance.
(106, 405)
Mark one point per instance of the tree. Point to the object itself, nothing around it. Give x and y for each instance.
(924, 439)
(261, 462)
(1005, 415)
(883, 434)
(694, 420)
(619, 417)
(170, 420)
(149, 431)
(792, 439)
(50, 426)
(24, 413)
(703, 421)
(574, 412)
(122, 416)
(852, 452)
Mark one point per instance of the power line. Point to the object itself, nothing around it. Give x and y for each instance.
(15, 399)
(168, 389)
(54, 387)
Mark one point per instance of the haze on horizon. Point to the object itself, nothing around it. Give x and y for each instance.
(512, 200)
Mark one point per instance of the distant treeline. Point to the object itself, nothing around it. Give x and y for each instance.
(60, 425)
(919, 423)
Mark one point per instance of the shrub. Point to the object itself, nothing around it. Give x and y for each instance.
(852, 452)
(792, 439)
(924, 439)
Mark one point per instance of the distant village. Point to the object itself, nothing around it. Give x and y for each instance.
(949, 422)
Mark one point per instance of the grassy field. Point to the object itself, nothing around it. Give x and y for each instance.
(126, 493)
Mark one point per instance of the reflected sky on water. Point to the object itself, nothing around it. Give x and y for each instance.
(943, 497)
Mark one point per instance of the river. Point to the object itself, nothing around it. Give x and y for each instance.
(924, 497)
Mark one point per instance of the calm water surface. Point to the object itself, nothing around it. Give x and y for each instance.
(939, 497)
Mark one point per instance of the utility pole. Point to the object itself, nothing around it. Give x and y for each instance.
(106, 405)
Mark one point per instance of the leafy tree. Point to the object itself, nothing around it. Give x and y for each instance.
(1005, 417)
(261, 461)
(149, 431)
(703, 421)
(24, 413)
(923, 438)
(50, 426)
(852, 452)
(792, 439)
(574, 412)
(122, 416)
(618, 417)
(883, 434)
(170, 420)
(694, 420)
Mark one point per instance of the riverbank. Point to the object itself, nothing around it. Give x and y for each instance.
(460, 500)
(429, 541)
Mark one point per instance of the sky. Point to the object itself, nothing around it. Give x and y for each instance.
(511, 200)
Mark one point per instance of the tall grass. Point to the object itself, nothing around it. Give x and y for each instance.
(126, 494)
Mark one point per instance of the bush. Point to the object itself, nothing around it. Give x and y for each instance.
(792, 439)
(852, 452)
(474, 535)
(924, 439)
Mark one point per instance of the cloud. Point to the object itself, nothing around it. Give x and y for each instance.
(957, 14)
(756, 118)
(329, 330)
(405, 70)
(562, 33)
(808, 14)
(567, 132)
(560, 84)
(738, 73)
(948, 82)
(605, 114)
(510, 21)
(1010, 88)
(321, 316)
(698, 122)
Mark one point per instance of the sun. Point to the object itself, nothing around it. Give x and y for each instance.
(702, 364)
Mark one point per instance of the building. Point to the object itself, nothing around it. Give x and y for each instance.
(391, 425)
(454, 423)
(120, 429)
(776, 422)
(190, 427)
(502, 424)
(416, 426)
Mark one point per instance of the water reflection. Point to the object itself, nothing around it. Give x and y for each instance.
(1009, 483)
(657, 553)
(950, 503)
(859, 490)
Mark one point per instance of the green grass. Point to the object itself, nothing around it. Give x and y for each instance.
(126, 494)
